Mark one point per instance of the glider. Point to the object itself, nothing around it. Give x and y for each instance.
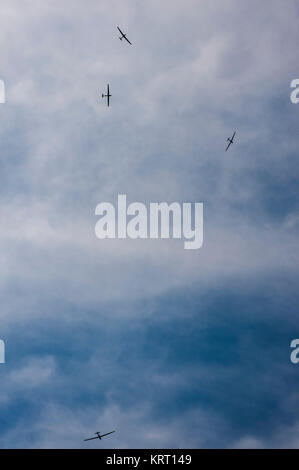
(123, 36)
(231, 141)
(108, 96)
(99, 436)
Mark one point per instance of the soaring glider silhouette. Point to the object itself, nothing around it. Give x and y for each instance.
(123, 36)
(231, 141)
(99, 436)
(108, 96)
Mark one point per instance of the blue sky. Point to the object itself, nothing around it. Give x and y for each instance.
(171, 348)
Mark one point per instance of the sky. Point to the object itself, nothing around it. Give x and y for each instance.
(171, 348)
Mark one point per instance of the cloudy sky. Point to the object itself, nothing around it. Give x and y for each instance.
(172, 348)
